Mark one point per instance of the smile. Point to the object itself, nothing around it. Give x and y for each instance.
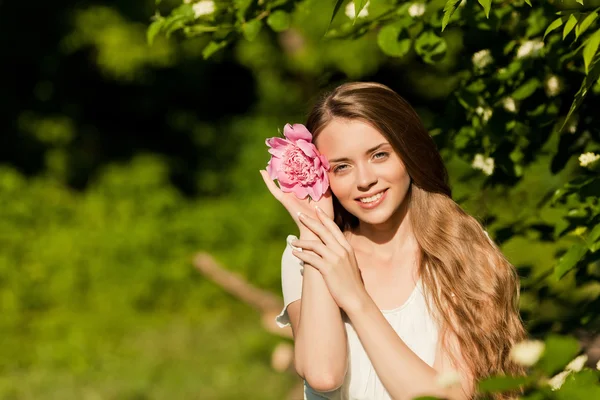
(373, 201)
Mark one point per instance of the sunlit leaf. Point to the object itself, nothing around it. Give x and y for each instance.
(449, 9)
(571, 22)
(212, 48)
(251, 29)
(358, 7)
(336, 8)
(585, 24)
(557, 23)
(589, 51)
(527, 89)
(568, 261)
(430, 47)
(559, 350)
(394, 40)
(487, 5)
(154, 29)
(279, 20)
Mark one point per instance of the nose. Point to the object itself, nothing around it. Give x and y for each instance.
(366, 178)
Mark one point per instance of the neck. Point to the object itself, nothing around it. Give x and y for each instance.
(394, 239)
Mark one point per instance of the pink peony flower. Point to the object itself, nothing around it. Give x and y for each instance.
(297, 164)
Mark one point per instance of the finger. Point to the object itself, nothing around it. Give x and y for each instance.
(320, 230)
(273, 188)
(316, 246)
(314, 261)
(328, 222)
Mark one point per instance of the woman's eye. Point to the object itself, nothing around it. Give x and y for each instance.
(382, 153)
(339, 168)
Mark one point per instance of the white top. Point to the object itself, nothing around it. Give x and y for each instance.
(411, 321)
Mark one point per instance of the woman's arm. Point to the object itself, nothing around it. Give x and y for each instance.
(401, 371)
(320, 347)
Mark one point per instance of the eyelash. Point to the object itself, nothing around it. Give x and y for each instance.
(337, 169)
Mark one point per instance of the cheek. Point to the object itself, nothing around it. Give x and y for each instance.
(339, 186)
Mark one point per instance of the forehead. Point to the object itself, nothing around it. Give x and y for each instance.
(347, 138)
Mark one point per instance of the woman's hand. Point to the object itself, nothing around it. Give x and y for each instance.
(334, 258)
(294, 205)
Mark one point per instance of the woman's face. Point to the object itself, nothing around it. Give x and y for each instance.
(363, 164)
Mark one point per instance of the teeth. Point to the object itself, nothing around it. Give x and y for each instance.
(372, 198)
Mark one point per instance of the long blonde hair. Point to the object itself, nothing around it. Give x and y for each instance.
(473, 289)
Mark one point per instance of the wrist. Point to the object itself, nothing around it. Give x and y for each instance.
(358, 305)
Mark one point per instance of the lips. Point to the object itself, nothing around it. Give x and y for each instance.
(373, 204)
(370, 195)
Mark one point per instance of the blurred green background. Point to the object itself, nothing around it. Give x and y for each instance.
(119, 161)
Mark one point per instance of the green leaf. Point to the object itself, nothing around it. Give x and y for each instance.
(154, 29)
(487, 5)
(358, 6)
(251, 29)
(571, 22)
(589, 51)
(528, 3)
(212, 48)
(557, 23)
(558, 352)
(501, 383)
(394, 40)
(527, 89)
(587, 83)
(449, 8)
(582, 385)
(592, 238)
(585, 24)
(579, 1)
(570, 259)
(279, 20)
(242, 7)
(430, 47)
(336, 8)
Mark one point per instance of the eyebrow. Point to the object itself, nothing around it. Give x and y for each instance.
(367, 152)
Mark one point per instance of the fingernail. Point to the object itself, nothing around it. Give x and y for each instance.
(300, 214)
(319, 209)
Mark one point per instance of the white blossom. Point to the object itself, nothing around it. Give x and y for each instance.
(484, 113)
(557, 380)
(585, 160)
(448, 379)
(530, 48)
(598, 365)
(552, 85)
(577, 364)
(204, 7)
(416, 9)
(482, 58)
(484, 164)
(351, 10)
(527, 352)
(509, 104)
(572, 125)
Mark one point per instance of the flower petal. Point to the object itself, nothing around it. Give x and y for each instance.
(324, 161)
(296, 132)
(300, 191)
(307, 148)
(285, 179)
(277, 151)
(277, 142)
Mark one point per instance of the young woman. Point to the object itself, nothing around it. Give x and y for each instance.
(391, 285)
